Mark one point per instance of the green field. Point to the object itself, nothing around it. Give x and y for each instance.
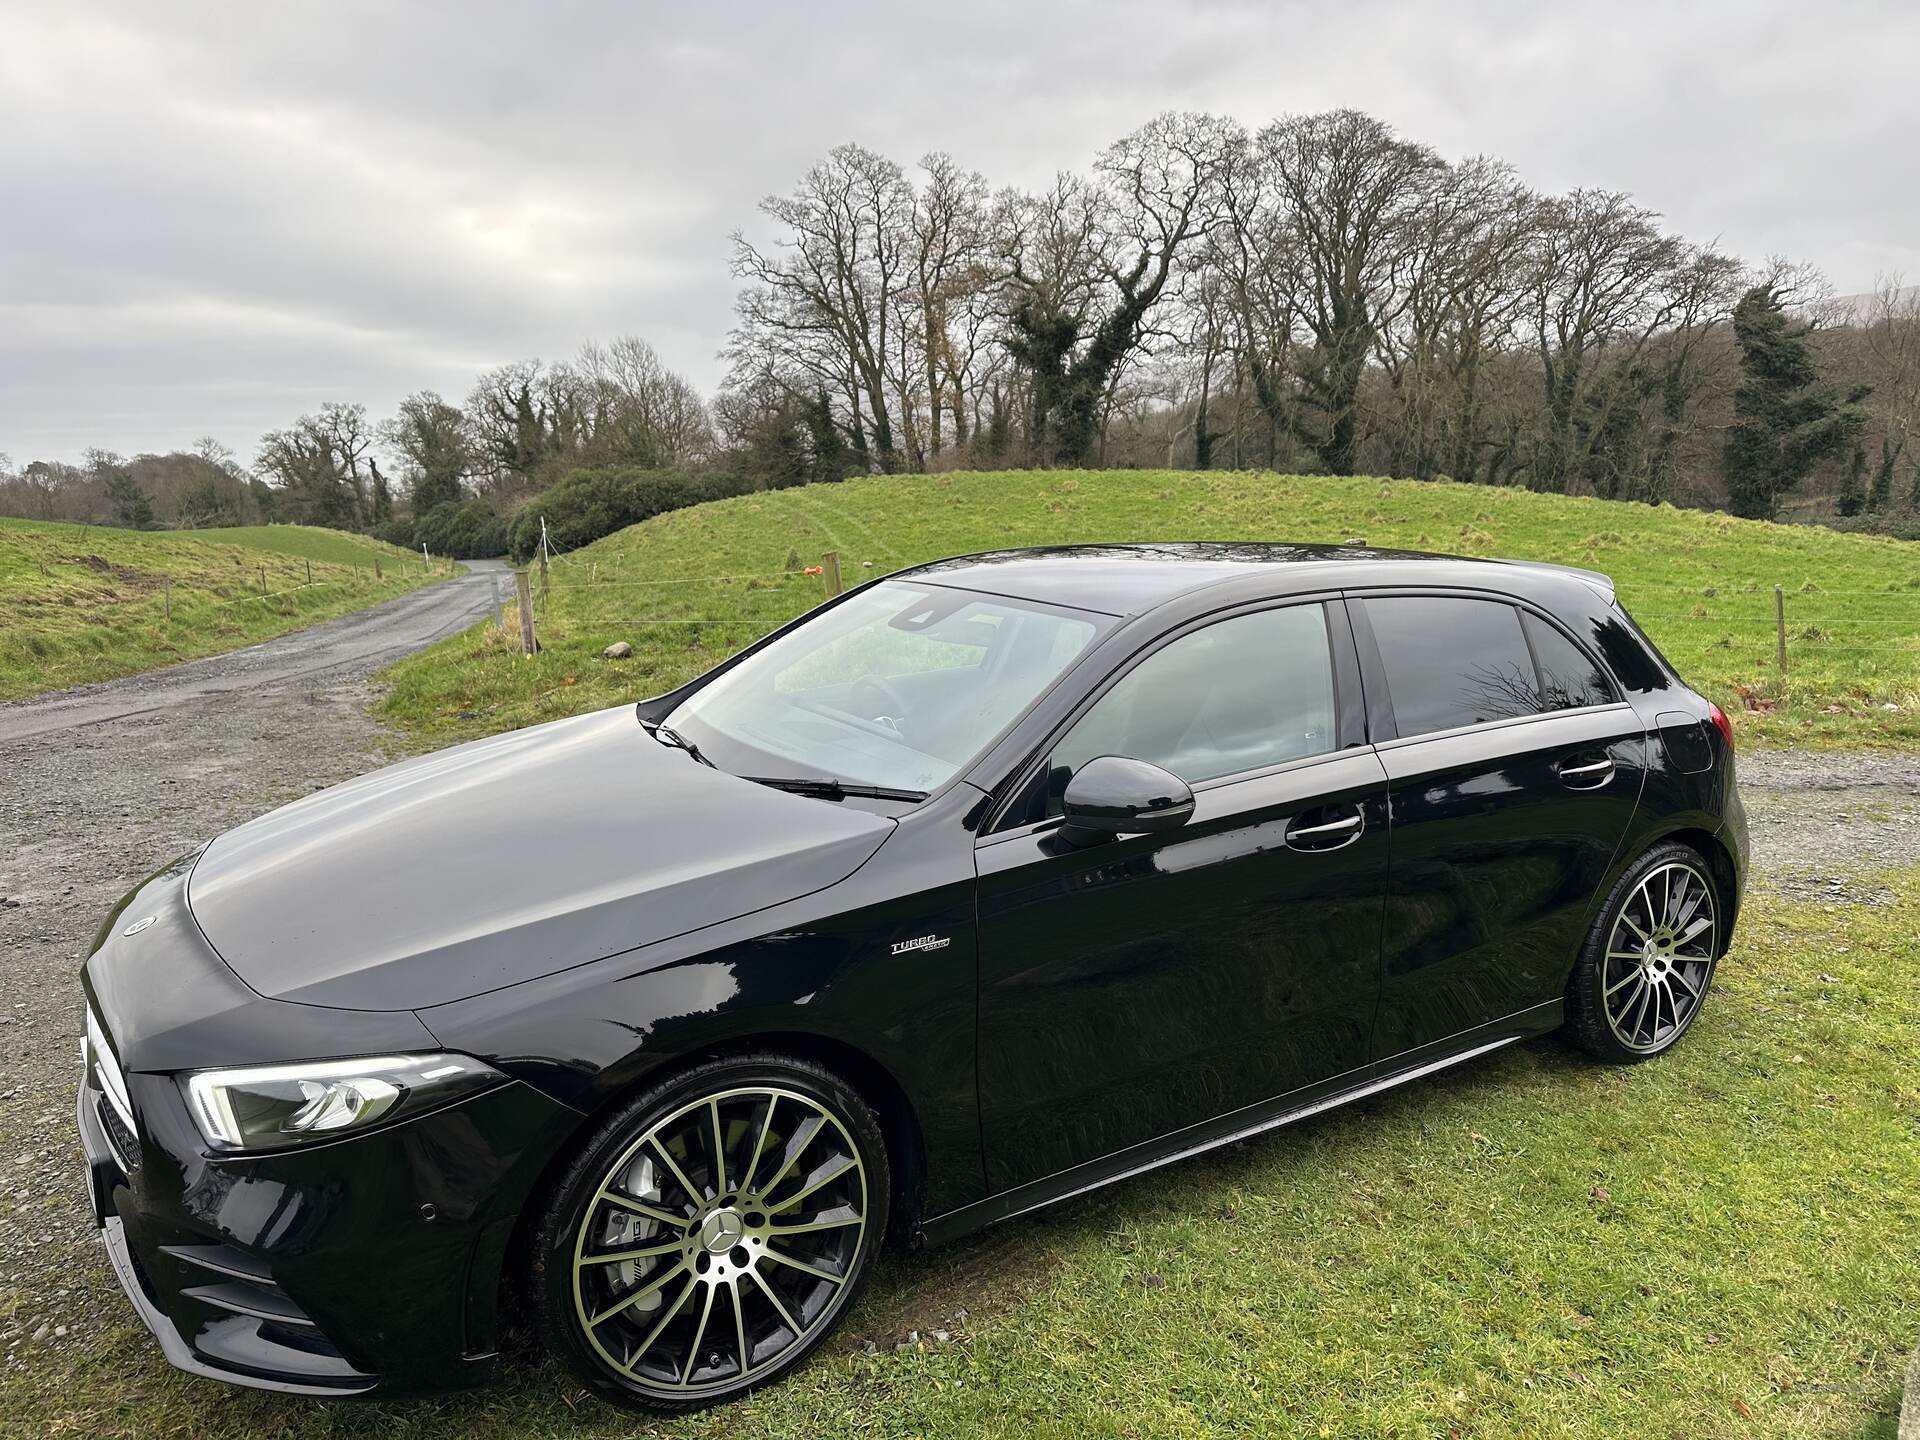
(80, 603)
(1701, 583)
(306, 542)
(1715, 1244)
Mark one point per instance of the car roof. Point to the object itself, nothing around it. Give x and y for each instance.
(1132, 579)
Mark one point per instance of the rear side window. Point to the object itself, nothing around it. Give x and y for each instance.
(1452, 662)
(1569, 677)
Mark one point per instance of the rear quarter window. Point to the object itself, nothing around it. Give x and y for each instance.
(1569, 677)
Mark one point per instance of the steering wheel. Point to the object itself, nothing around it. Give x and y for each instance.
(893, 704)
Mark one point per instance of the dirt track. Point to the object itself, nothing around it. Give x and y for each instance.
(99, 786)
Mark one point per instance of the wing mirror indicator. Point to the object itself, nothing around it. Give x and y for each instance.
(1114, 795)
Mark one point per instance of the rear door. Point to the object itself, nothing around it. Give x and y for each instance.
(1138, 986)
(1513, 768)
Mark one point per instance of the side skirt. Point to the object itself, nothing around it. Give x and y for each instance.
(1240, 1124)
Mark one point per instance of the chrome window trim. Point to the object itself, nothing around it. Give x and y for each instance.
(1400, 742)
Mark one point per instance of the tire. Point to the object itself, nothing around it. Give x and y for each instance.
(1644, 971)
(716, 1296)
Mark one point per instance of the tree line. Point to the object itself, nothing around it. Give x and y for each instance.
(1321, 295)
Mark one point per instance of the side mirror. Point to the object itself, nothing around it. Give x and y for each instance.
(1112, 795)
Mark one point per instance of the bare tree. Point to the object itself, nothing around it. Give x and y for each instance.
(343, 426)
(1088, 264)
(1464, 286)
(524, 419)
(1891, 328)
(1600, 269)
(1350, 193)
(825, 303)
(643, 413)
(436, 452)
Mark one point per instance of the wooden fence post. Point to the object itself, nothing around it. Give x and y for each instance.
(167, 596)
(1780, 628)
(309, 572)
(376, 567)
(830, 572)
(523, 592)
(263, 580)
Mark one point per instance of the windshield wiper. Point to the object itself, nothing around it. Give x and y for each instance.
(668, 736)
(825, 789)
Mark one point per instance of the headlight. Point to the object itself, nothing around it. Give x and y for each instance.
(265, 1107)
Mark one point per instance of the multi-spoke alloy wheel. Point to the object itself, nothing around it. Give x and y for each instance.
(722, 1238)
(1651, 957)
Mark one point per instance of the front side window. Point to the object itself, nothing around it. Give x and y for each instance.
(1452, 662)
(1240, 694)
(900, 685)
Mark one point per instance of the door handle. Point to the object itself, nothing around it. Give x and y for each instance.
(1590, 775)
(1329, 836)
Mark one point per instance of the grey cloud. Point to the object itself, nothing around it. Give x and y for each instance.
(214, 216)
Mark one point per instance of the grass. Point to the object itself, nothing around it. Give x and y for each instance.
(307, 542)
(86, 603)
(1701, 583)
(1716, 1244)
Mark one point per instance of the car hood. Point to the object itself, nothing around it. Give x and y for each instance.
(505, 860)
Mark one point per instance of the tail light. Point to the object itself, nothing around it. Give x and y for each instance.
(1721, 722)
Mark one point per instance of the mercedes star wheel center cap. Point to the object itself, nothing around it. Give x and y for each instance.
(722, 1231)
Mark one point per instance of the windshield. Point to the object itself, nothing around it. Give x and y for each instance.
(900, 685)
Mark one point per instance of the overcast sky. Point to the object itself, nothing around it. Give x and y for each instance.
(215, 216)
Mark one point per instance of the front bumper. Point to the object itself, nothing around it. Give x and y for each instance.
(330, 1270)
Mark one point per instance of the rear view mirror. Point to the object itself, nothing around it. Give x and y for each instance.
(1113, 795)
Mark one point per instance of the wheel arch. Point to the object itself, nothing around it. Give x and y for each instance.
(875, 1082)
(1704, 841)
(1712, 848)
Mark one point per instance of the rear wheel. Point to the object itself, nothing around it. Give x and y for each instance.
(1644, 971)
(710, 1235)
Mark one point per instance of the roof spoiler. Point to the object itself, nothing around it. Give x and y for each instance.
(1594, 578)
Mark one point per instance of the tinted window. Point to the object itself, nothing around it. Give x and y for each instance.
(1452, 662)
(1569, 677)
(1252, 691)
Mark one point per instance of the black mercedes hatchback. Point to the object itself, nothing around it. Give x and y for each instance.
(979, 886)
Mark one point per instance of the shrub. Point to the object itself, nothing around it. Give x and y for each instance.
(591, 503)
(1896, 524)
(463, 529)
(396, 531)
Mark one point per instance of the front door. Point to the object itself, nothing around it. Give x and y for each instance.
(1514, 773)
(1144, 984)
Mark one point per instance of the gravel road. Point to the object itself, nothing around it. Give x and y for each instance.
(99, 786)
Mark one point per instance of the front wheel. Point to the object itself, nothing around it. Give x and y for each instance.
(711, 1233)
(1643, 973)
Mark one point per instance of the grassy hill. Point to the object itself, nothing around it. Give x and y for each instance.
(80, 603)
(690, 587)
(306, 542)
